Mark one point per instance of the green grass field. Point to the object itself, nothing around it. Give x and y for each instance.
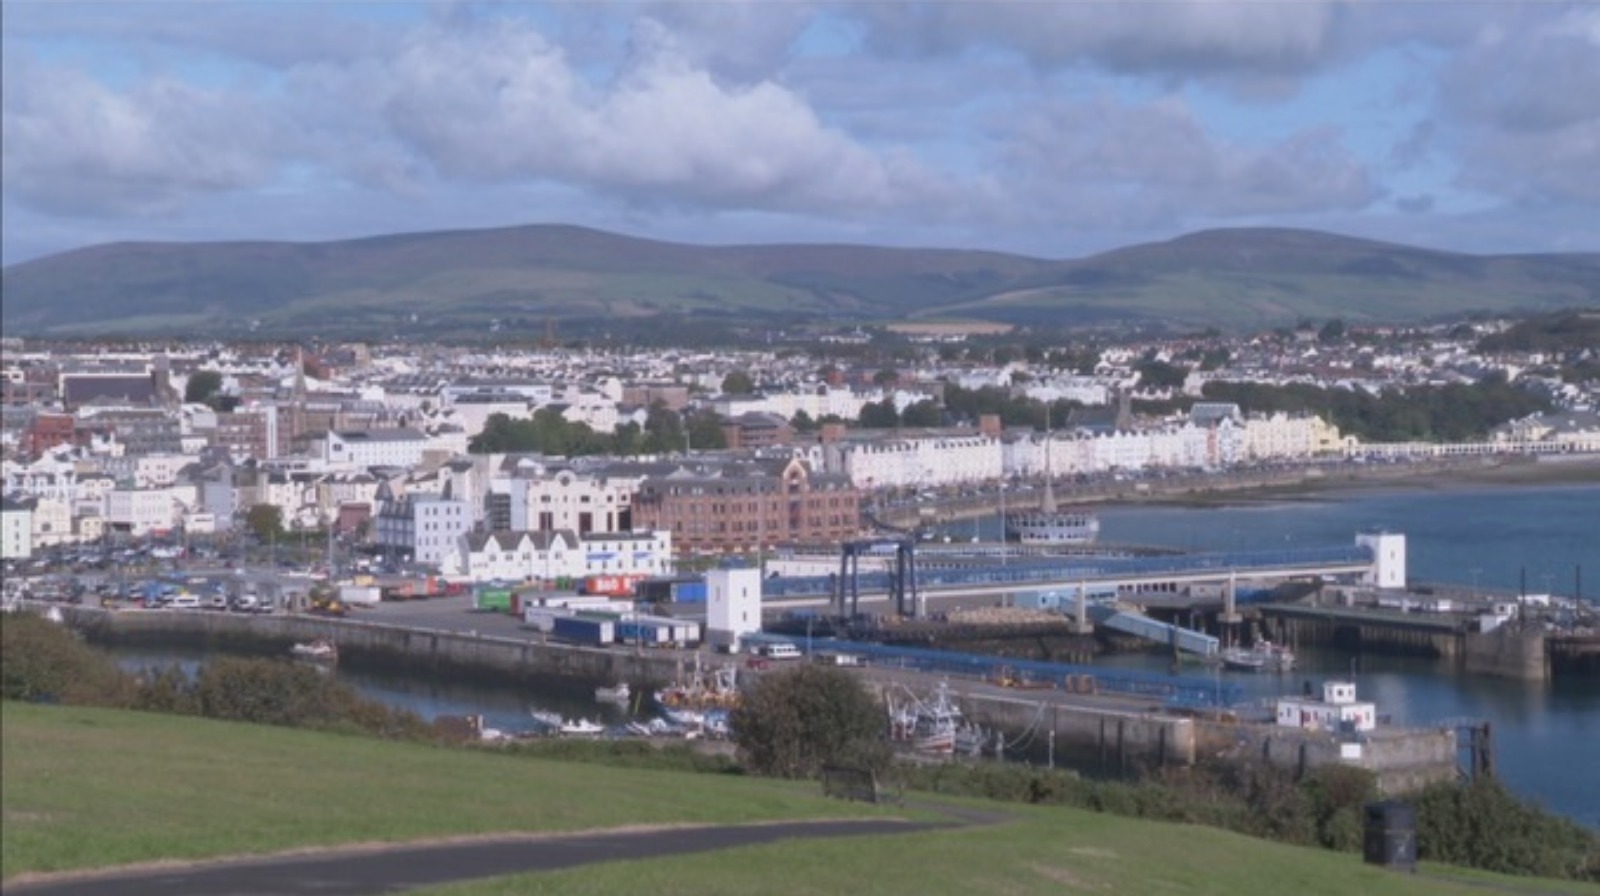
(88, 788)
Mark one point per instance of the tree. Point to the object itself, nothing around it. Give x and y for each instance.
(793, 722)
(802, 422)
(925, 413)
(878, 415)
(266, 521)
(202, 385)
(1332, 332)
(738, 382)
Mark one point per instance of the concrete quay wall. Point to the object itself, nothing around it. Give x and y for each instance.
(1508, 652)
(377, 644)
(1404, 760)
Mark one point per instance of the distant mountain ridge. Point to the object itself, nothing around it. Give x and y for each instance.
(467, 281)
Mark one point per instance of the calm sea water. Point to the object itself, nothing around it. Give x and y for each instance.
(1547, 735)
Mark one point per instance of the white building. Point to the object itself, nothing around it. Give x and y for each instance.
(1388, 558)
(566, 499)
(546, 555)
(425, 526)
(1337, 710)
(373, 448)
(143, 511)
(733, 605)
(16, 528)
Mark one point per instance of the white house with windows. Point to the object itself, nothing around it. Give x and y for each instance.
(566, 499)
(546, 555)
(16, 528)
(355, 449)
(427, 527)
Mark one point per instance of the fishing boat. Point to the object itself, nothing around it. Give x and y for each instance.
(927, 725)
(687, 701)
(619, 693)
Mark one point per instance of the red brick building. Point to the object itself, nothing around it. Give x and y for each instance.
(737, 507)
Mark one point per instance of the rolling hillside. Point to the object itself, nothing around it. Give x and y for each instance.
(459, 282)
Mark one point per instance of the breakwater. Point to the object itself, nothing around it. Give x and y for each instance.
(1117, 735)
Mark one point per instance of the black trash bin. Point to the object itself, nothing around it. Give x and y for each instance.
(1389, 837)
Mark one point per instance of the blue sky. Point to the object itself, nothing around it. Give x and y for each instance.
(1047, 129)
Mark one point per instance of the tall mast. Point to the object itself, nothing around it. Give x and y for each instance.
(1049, 503)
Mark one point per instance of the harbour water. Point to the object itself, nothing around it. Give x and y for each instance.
(1547, 735)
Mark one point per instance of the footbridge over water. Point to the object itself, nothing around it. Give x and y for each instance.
(1007, 576)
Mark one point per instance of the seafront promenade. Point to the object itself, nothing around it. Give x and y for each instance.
(1227, 486)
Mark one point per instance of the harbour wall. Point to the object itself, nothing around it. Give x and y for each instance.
(375, 645)
(1402, 760)
(1117, 735)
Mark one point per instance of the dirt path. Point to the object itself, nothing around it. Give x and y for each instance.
(387, 868)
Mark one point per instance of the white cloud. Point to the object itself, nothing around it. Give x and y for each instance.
(1155, 164)
(71, 143)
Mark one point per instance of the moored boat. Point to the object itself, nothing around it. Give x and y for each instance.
(581, 728)
(618, 693)
(320, 650)
(1263, 656)
(929, 726)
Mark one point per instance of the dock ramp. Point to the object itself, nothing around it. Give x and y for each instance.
(1142, 626)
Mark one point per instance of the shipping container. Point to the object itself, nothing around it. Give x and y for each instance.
(492, 600)
(689, 592)
(613, 585)
(360, 595)
(589, 630)
(542, 618)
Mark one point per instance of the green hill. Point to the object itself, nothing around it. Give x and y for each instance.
(89, 788)
(458, 282)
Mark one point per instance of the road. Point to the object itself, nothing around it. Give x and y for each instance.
(389, 869)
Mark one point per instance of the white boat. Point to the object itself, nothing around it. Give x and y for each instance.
(546, 718)
(581, 728)
(618, 693)
(1263, 656)
(320, 650)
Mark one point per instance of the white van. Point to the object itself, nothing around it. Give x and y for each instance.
(184, 602)
(780, 651)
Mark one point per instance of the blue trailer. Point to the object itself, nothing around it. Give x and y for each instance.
(593, 631)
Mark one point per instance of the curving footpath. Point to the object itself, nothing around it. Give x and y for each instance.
(389, 869)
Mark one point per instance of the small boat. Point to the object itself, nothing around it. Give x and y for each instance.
(581, 728)
(1263, 656)
(320, 650)
(1242, 659)
(620, 693)
(545, 717)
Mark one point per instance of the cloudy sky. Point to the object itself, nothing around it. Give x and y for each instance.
(1052, 129)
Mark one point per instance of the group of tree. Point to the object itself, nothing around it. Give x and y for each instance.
(958, 406)
(1451, 413)
(205, 387)
(45, 661)
(548, 432)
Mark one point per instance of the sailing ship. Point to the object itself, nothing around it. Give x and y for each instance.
(1051, 524)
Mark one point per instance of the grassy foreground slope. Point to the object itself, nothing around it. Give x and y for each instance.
(89, 788)
(93, 788)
